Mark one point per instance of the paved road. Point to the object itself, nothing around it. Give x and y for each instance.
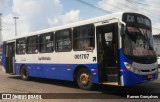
(13, 84)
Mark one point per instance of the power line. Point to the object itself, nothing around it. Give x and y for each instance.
(115, 7)
(128, 6)
(108, 11)
(134, 8)
(143, 4)
(93, 6)
(141, 8)
(158, 20)
(111, 5)
(146, 10)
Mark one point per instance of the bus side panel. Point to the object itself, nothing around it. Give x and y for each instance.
(17, 68)
(3, 56)
(57, 71)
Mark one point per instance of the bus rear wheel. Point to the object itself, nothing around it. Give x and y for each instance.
(84, 79)
(24, 73)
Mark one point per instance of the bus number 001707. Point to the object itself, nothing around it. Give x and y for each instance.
(81, 56)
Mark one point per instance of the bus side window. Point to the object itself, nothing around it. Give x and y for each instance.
(63, 40)
(87, 45)
(46, 44)
(21, 46)
(32, 44)
(83, 38)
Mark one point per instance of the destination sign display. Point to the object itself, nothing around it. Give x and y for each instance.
(136, 18)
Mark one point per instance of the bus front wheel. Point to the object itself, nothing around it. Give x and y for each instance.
(84, 79)
(24, 73)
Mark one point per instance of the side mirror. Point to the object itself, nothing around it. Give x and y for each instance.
(123, 30)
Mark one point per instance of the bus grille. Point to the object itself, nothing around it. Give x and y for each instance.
(149, 70)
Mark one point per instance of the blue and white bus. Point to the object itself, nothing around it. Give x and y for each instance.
(115, 49)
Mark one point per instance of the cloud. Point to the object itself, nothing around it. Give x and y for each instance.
(36, 15)
(4, 7)
(3, 2)
(36, 12)
(8, 26)
(71, 16)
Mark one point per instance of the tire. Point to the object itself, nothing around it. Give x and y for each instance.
(24, 73)
(84, 79)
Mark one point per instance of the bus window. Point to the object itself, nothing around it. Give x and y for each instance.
(21, 46)
(46, 43)
(83, 38)
(63, 40)
(32, 44)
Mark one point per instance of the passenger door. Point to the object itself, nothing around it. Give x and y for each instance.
(10, 58)
(107, 38)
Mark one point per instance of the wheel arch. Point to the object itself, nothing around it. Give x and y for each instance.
(21, 68)
(77, 70)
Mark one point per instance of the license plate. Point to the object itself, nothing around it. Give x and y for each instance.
(150, 76)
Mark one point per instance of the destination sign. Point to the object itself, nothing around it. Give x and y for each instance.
(133, 18)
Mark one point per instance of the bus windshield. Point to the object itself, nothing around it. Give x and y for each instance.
(157, 44)
(138, 40)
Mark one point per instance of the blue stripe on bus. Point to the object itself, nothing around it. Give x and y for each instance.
(57, 71)
(3, 57)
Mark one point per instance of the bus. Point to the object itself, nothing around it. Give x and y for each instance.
(157, 47)
(115, 49)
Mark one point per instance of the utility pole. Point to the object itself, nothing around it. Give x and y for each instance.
(15, 25)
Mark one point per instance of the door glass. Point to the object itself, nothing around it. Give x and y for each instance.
(108, 36)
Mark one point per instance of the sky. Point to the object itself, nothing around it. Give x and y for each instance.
(36, 15)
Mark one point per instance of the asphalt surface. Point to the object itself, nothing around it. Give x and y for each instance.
(69, 91)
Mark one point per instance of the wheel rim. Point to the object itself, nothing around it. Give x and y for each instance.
(84, 79)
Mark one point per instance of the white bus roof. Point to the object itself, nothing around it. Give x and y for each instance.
(71, 25)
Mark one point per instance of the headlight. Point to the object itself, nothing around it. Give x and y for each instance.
(128, 66)
(131, 68)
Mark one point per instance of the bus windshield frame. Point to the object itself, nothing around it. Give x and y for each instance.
(137, 42)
